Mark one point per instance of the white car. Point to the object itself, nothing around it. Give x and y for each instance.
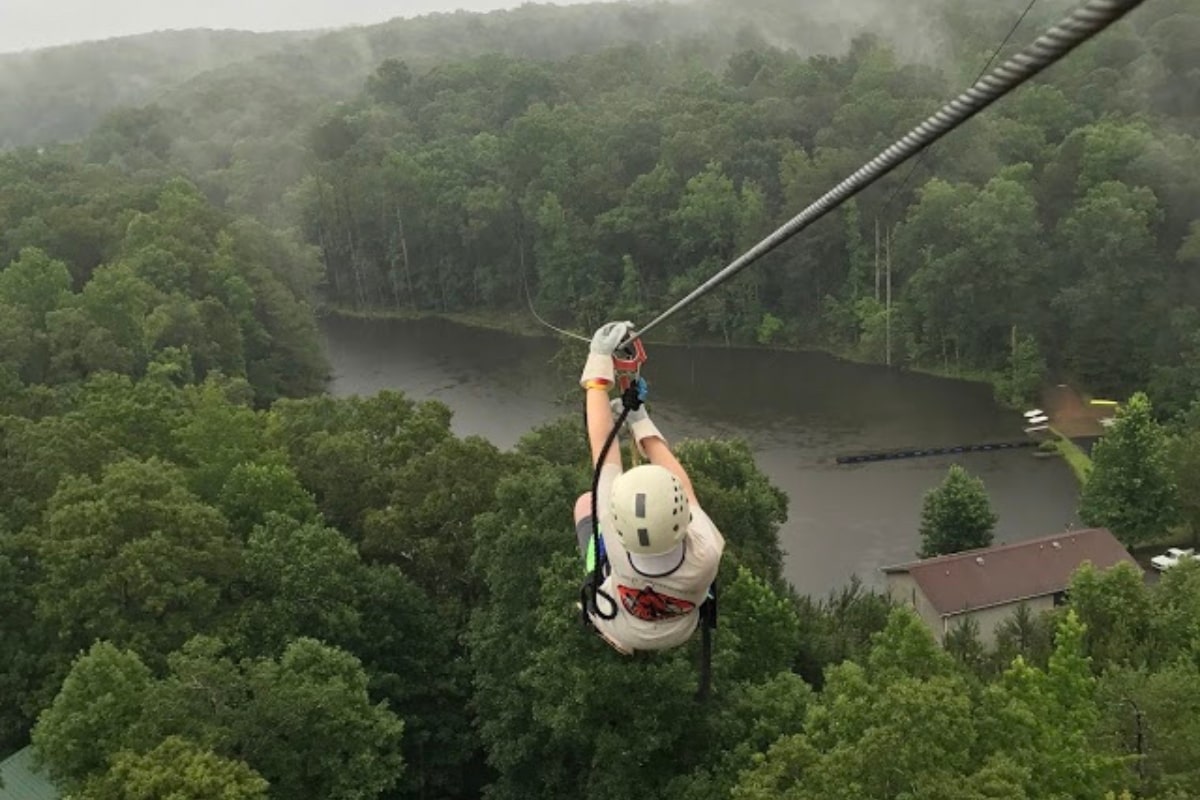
(1172, 557)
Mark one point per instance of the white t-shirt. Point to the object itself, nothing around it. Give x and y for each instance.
(656, 611)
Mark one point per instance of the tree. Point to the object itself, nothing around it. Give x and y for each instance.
(838, 628)
(962, 642)
(746, 507)
(36, 283)
(1175, 625)
(303, 721)
(1115, 609)
(1130, 490)
(134, 558)
(752, 717)
(1024, 635)
(765, 628)
(311, 729)
(97, 712)
(977, 254)
(252, 492)
(1114, 298)
(301, 580)
(390, 82)
(956, 516)
(1019, 385)
(1045, 720)
(219, 433)
(903, 725)
(426, 525)
(176, 769)
(1184, 454)
(346, 451)
(412, 652)
(1153, 717)
(23, 643)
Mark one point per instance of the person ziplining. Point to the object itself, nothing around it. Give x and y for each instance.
(652, 552)
(655, 553)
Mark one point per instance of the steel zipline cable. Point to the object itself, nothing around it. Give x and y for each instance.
(1082, 24)
(917, 161)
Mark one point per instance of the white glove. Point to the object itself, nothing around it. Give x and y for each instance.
(641, 427)
(599, 364)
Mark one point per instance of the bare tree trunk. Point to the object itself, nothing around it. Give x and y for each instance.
(1014, 356)
(521, 260)
(324, 239)
(355, 263)
(877, 259)
(412, 292)
(393, 272)
(888, 313)
(442, 282)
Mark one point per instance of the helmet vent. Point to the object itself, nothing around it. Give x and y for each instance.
(643, 537)
(639, 505)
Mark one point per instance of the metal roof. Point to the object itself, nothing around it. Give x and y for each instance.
(21, 781)
(1007, 573)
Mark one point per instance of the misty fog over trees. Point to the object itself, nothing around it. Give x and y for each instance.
(218, 581)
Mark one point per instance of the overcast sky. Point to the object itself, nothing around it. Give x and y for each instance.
(28, 24)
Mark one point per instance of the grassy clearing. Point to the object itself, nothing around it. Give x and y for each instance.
(1078, 460)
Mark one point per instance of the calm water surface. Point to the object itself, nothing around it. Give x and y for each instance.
(798, 411)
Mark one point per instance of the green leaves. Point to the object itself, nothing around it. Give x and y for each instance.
(745, 506)
(956, 516)
(97, 712)
(303, 722)
(35, 283)
(134, 558)
(179, 769)
(1130, 490)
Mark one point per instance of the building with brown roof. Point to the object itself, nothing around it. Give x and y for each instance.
(990, 583)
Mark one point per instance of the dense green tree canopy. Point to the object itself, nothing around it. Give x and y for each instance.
(217, 581)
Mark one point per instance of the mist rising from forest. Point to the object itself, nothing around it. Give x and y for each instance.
(916, 29)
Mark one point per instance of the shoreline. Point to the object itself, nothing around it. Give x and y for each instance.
(525, 325)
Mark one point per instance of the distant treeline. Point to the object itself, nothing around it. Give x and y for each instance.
(1060, 230)
(1055, 236)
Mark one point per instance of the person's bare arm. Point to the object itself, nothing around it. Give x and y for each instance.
(658, 452)
(600, 425)
(596, 380)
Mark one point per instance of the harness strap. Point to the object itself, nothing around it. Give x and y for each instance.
(708, 624)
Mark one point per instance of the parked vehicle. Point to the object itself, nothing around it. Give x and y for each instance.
(1172, 557)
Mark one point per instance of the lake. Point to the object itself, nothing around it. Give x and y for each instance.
(798, 412)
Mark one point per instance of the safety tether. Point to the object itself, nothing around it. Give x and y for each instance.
(1082, 24)
(631, 400)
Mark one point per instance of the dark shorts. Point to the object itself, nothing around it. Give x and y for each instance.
(587, 543)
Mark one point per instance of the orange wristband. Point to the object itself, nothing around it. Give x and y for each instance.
(597, 383)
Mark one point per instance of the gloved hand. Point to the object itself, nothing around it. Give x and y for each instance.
(608, 336)
(599, 364)
(641, 427)
(640, 415)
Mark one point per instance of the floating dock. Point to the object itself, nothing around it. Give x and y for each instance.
(895, 455)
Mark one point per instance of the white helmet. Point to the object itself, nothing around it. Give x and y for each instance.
(650, 510)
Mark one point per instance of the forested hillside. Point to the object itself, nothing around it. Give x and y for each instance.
(218, 581)
(1056, 235)
(614, 183)
(60, 93)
